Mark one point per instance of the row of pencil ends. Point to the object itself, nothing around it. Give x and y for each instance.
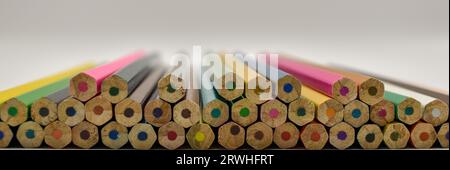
(134, 100)
(231, 135)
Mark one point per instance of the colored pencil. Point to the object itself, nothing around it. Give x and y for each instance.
(370, 89)
(314, 136)
(200, 136)
(85, 135)
(286, 135)
(142, 136)
(382, 113)
(71, 111)
(128, 112)
(5, 135)
(231, 136)
(327, 82)
(244, 112)
(215, 111)
(301, 111)
(356, 113)
(36, 84)
(435, 111)
(98, 111)
(87, 84)
(187, 112)
(157, 112)
(45, 110)
(288, 88)
(114, 135)
(273, 113)
(57, 135)
(170, 88)
(227, 83)
(30, 134)
(259, 136)
(370, 136)
(118, 86)
(443, 135)
(419, 88)
(329, 111)
(15, 110)
(256, 91)
(342, 135)
(396, 135)
(408, 110)
(171, 135)
(423, 135)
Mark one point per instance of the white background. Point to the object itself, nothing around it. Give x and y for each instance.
(403, 39)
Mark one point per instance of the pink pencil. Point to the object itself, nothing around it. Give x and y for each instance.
(87, 84)
(329, 83)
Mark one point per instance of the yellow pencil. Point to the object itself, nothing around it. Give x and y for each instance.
(329, 111)
(33, 85)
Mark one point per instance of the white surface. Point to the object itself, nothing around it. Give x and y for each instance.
(404, 39)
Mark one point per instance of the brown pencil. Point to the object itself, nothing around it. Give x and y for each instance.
(314, 136)
(382, 113)
(98, 111)
(370, 136)
(443, 135)
(244, 112)
(286, 135)
(142, 136)
(171, 135)
(5, 135)
(342, 135)
(231, 136)
(128, 112)
(423, 135)
(356, 113)
(301, 111)
(273, 113)
(57, 135)
(71, 111)
(396, 135)
(200, 136)
(157, 112)
(259, 136)
(170, 88)
(85, 135)
(114, 135)
(187, 112)
(30, 134)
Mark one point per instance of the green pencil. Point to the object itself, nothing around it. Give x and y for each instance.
(15, 111)
(407, 109)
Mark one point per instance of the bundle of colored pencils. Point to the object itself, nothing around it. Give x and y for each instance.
(136, 99)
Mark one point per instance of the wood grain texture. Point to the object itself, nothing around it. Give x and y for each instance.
(369, 136)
